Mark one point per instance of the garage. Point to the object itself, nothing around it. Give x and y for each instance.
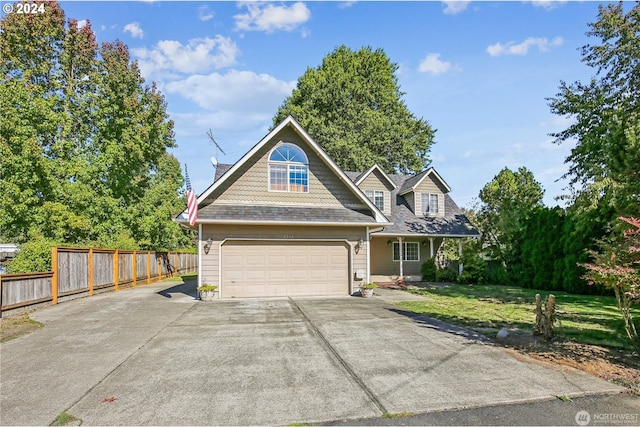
(284, 268)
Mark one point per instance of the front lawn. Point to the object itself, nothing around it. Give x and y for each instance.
(486, 309)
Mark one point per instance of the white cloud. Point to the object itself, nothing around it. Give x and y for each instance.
(198, 55)
(204, 14)
(81, 23)
(433, 64)
(267, 17)
(546, 4)
(346, 4)
(455, 7)
(238, 93)
(134, 29)
(511, 48)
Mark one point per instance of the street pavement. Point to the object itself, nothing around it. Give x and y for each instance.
(154, 355)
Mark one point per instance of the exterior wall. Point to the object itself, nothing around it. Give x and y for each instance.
(429, 186)
(382, 263)
(252, 184)
(219, 232)
(375, 182)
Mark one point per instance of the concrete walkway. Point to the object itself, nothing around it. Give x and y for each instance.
(153, 355)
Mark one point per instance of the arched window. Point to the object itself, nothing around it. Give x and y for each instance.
(288, 169)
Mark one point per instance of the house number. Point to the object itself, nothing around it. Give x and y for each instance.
(288, 236)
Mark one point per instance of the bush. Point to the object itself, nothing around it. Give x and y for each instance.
(447, 275)
(429, 270)
(33, 256)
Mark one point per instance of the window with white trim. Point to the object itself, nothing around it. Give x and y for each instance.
(377, 197)
(430, 203)
(411, 251)
(288, 169)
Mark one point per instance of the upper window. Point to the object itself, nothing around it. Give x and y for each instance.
(377, 197)
(430, 204)
(288, 169)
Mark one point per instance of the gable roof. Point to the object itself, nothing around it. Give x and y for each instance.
(358, 180)
(413, 182)
(406, 223)
(224, 172)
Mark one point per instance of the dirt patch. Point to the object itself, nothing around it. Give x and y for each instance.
(14, 327)
(618, 366)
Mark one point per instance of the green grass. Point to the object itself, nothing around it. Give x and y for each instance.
(63, 419)
(584, 318)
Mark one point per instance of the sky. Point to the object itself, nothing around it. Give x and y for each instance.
(480, 73)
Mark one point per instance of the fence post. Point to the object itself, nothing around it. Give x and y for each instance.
(135, 268)
(115, 269)
(176, 266)
(90, 271)
(148, 267)
(54, 278)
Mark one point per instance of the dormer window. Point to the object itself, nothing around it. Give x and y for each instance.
(288, 169)
(377, 197)
(430, 204)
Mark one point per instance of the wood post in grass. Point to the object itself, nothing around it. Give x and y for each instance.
(545, 318)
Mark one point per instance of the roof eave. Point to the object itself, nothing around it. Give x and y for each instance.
(305, 223)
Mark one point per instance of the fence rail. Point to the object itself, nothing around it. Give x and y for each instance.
(78, 272)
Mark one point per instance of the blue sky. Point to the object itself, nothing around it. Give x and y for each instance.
(479, 72)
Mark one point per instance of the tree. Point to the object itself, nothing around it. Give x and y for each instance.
(83, 140)
(351, 105)
(606, 113)
(508, 201)
(617, 267)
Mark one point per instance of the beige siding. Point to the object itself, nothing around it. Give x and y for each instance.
(429, 186)
(250, 183)
(218, 233)
(375, 182)
(382, 263)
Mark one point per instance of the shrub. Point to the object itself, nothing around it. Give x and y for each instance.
(32, 256)
(429, 270)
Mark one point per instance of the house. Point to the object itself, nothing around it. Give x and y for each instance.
(285, 220)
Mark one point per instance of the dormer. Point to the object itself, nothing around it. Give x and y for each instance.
(425, 193)
(377, 186)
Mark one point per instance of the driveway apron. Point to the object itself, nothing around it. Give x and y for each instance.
(154, 356)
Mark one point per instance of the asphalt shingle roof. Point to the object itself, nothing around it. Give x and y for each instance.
(405, 222)
(283, 214)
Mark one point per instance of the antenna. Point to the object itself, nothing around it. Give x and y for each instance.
(214, 159)
(210, 135)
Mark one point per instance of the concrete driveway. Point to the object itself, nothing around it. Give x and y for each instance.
(153, 355)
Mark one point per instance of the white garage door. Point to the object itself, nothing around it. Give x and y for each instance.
(265, 269)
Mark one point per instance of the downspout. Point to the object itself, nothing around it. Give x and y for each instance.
(199, 254)
(368, 256)
(401, 258)
(460, 264)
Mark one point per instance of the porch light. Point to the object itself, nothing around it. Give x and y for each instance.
(389, 242)
(207, 245)
(424, 243)
(359, 245)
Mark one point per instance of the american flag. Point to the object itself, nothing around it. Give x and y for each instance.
(192, 204)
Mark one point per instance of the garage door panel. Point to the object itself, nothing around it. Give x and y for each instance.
(259, 269)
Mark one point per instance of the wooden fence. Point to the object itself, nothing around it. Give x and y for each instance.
(78, 272)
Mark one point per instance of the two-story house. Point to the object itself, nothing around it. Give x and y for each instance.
(285, 220)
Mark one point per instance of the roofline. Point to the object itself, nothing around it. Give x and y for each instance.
(289, 120)
(367, 173)
(423, 235)
(428, 172)
(305, 223)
